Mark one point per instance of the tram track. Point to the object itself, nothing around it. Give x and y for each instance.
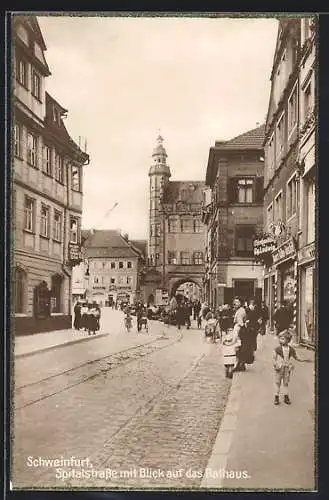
(34, 392)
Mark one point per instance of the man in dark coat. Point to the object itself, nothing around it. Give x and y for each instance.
(253, 316)
(283, 318)
(77, 316)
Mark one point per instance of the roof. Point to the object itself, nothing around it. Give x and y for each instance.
(253, 139)
(188, 191)
(107, 243)
(141, 245)
(59, 127)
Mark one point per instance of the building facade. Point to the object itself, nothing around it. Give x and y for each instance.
(289, 186)
(112, 267)
(176, 231)
(46, 193)
(233, 215)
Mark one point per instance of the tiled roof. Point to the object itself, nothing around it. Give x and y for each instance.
(107, 243)
(141, 245)
(253, 139)
(188, 191)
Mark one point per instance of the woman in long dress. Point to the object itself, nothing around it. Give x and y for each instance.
(245, 354)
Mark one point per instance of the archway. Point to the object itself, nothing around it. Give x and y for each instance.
(187, 288)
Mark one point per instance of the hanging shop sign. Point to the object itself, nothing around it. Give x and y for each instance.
(285, 251)
(264, 246)
(74, 253)
(307, 253)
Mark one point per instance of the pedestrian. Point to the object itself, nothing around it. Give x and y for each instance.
(252, 324)
(84, 316)
(283, 318)
(196, 309)
(225, 318)
(199, 320)
(180, 315)
(230, 344)
(77, 316)
(283, 366)
(188, 313)
(264, 317)
(245, 353)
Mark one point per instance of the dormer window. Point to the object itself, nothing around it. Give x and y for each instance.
(56, 115)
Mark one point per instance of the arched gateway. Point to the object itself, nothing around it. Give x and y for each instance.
(176, 242)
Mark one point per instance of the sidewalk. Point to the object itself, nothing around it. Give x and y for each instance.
(274, 445)
(26, 345)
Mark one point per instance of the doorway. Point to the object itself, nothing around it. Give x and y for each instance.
(245, 289)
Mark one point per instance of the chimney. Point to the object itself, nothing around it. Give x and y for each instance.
(125, 236)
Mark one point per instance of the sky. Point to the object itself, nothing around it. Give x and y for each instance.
(122, 79)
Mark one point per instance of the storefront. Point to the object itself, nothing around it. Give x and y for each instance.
(307, 295)
(285, 261)
(263, 249)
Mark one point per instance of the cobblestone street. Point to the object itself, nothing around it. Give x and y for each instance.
(156, 406)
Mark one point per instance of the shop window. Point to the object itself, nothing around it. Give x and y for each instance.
(20, 290)
(244, 245)
(56, 292)
(41, 301)
(310, 207)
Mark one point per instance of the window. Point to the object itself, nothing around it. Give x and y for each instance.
(112, 265)
(19, 287)
(44, 222)
(21, 71)
(75, 178)
(157, 229)
(197, 226)
(58, 222)
(280, 135)
(121, 280)
(59, 168)
(186, 225)
(32, 149)
(129, 280)
(197, 258)
(120, 265)
(271, 155)
(47, 161)
(307, 93)
(185, 258)
(291, 197)
(244, 246)
(96, 280)
(310, 194)
(129, 264)
(36, 85)
(245, 190)
(307, 27)
(112, 280)
(269, 219)
(29, 207)
(277, 216)
(172, 258)
(173, 226)
(74, 230)
(56, 288)
(292, 111)
(18, 140)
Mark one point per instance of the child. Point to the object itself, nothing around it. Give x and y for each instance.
(211, 324)
(230, 344)
(283, 366)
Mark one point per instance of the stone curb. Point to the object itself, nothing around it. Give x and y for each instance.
(221, 450)
(57, 346)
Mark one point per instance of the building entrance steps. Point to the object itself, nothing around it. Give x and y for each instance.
(260, 445)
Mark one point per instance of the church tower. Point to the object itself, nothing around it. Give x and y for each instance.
(159, 175)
